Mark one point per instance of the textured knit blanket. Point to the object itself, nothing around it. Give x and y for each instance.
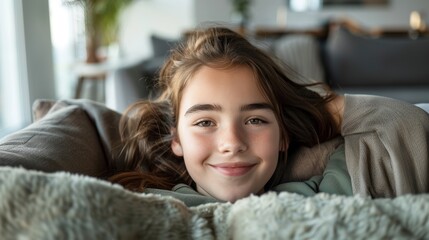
(36, 205)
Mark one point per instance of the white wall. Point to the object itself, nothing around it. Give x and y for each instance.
(142, 18)
(212, 11)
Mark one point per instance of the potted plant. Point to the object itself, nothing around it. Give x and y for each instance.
(241, 12)
(101, 23)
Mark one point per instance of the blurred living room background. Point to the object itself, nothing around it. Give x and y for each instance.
(44, 44)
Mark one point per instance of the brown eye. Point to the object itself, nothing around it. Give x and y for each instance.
(205, 123)
(255, 121)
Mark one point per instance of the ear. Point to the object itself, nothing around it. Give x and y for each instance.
(176, 146)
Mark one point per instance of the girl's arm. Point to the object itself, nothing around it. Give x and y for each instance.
(386, 146)
(309, 162)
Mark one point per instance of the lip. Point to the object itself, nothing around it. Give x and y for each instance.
(233, 169)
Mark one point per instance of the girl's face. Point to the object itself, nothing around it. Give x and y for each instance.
(227, 133)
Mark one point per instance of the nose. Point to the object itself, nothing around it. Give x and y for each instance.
(232, 140)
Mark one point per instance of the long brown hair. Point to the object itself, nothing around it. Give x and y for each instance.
(302, 113)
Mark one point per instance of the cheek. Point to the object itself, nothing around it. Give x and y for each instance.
(196, 148)
(267, 147)
(272, 149)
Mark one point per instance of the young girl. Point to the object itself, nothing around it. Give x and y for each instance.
(228, 118)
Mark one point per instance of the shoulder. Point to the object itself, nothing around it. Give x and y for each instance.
(369, 113)
(386, 145)
(370, 103)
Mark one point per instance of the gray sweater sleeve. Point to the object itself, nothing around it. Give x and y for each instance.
(386, 146)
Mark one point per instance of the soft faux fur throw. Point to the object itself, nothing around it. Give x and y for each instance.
(36, 205)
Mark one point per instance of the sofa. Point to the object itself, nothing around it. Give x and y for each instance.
(358, 63)
(53, 186)
(348, 59)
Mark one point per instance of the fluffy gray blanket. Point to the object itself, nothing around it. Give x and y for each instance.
(36, 205)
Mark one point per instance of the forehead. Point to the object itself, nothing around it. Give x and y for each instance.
(215, 84)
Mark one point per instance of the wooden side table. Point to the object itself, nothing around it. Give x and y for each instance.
(87, 72)
(104, 71)
(83, 78)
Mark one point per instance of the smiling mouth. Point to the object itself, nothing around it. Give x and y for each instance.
(233, 170)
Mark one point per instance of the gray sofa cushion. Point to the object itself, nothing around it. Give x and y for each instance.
(78, 136)
(301, 52)
(161, 46)
(355, 60)
(300, 57)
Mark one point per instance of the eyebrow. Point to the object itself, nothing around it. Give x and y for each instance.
(256, 106)
(215, 107)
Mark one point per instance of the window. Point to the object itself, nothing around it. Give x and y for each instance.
(14, 107)
(314, 5)
(354, 2)
(68, 44)
(305, 5)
